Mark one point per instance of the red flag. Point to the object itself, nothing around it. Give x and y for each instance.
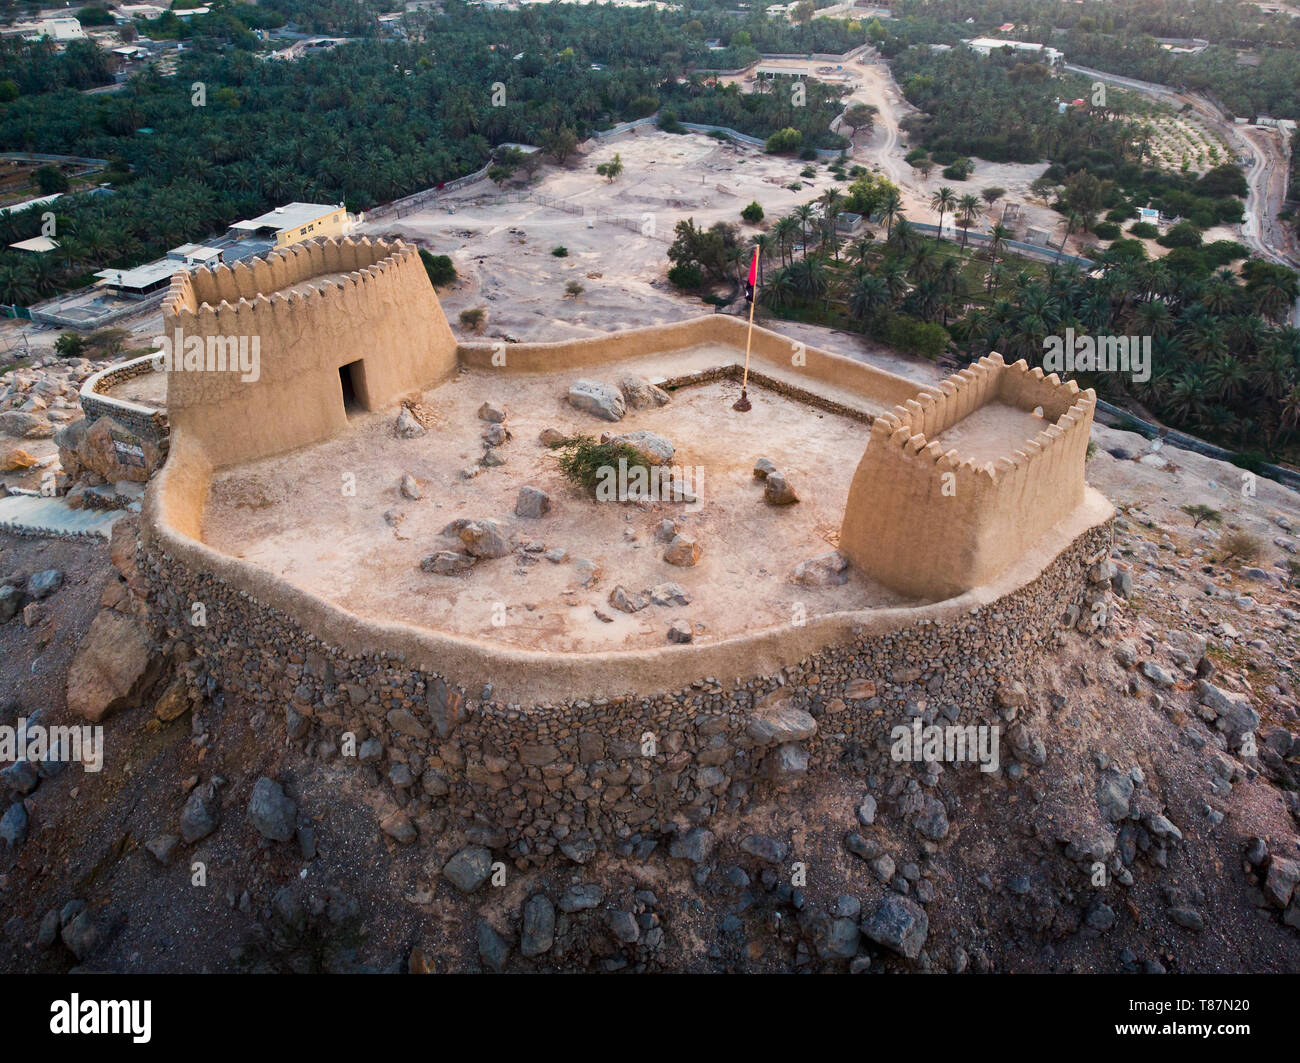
(753, 277)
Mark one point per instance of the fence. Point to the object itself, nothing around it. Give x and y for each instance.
(1032, 250)
(1125, 421)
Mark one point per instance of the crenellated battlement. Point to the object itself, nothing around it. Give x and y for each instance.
(305, 312)
(928, 517)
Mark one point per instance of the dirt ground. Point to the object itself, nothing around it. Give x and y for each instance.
(287, 514)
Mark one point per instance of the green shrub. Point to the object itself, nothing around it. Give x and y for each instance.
(560, 252)
(686, 277)
(787, 141)
(583, 459)
(1184, 234)
(752, 213)
(440, 269)
(1144, 229)
(1106, 230)
(924, 338)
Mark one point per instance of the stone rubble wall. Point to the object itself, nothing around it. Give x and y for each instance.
(583, 768)
(144, 421)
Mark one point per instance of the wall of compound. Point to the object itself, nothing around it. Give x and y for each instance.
(577, 766)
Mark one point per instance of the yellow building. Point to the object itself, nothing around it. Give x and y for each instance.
(298, 221)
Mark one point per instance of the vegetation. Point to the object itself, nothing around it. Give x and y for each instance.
(1240, 545)
(439, 268)
(585, 463)
(1202, 514)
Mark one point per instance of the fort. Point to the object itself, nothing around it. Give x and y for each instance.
(942, 537)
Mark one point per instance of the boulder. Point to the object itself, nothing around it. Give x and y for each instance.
(469, 868)
(778, 720)
(447, 563)
(43, 584)
(492, 412)
(271, 812)
(111, 666)
(410, 488)
(485, 538)
(115, 453)
(763, 468)
(626, 602)
(538, 933)
(683, 551)
(599, 400)
(669, 594)
(899, 924)
(777, 491)
(823, 571)
(532, 502)
(18, 425)
(681, 632)
(655, 449)
(640, 394)
(407, 426)
(15, 459)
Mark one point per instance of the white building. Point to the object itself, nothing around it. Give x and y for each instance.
(57, 29)
(989, 45)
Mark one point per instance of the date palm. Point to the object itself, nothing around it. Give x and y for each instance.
(944, 201)
(969, 211)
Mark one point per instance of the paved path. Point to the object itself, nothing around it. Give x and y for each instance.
(38, 515)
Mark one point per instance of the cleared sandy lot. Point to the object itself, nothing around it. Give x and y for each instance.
(363, 551)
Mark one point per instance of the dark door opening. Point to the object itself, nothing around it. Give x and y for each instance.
(352, 379)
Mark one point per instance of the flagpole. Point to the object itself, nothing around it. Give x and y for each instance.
(743, 404)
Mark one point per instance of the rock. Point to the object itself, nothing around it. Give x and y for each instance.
(621, 600)
(898, 924)
(655, 449)
(769, 850)
(163, 848)
(15, 459)
(469, 868)
(201, 814)
(492, 412)
(683, 551)
(410, 488)
(495, 435)
(13, 825)
(550, 437)
(174, 702)
(1113, 793)
(778, 720)
(492, 459)
(1188, 918)
(484, 538)
(580, 897)
(447, 563)
(867, 811)
(1157, 675)
(763, 468)
(623, 926)
(43, 584)
(1280, 883)
(640, 394)
(1100, 917)
(11, 599)
(49, 931)
(407, 426)
(681, 632)
(398, 826)
(586, 571)
(1236, 716)
(695, 845)
(532, 502)
(110, 668)
(81, 935)
(271, 812)
(669, 594)
(18, 425)
(538, 933)
(600, 400)
(493, 949)
(666, 532)
(823, 571)
(778, 492)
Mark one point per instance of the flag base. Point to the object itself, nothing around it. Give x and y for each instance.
(742, 403)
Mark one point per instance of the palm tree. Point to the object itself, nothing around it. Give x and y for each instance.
(869, 297)
(765, 243)
(998, 237)
(943, 201)
(969, 210)
(783, 231)
(891, 210)
(805, 215)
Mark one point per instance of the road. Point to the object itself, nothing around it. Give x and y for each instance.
(1266, 176)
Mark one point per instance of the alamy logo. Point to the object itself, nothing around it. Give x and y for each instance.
(66, 745)
(951, 745)
(102, 1016)
(658, 483)
(211, 354)
(1098, 354)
